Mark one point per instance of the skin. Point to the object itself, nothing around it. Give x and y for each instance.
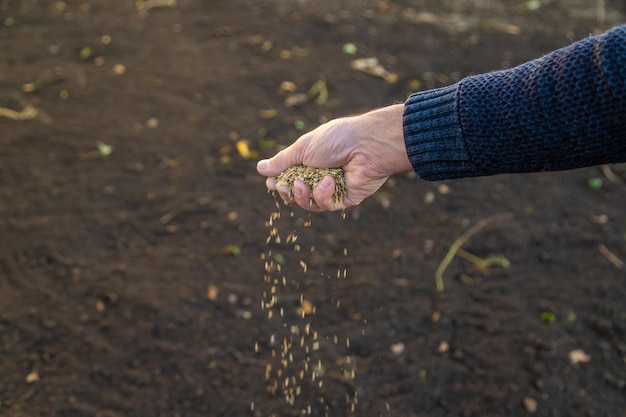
(369, 147)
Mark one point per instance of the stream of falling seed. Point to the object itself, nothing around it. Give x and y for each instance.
(294, 365)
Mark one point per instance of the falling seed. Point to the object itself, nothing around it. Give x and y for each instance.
(307, 307)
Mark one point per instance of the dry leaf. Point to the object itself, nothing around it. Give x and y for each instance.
(244, 150)
(530, 404)
(371, 66)
(212, 292)
(32, 377)
(397, 348)
(578, 356)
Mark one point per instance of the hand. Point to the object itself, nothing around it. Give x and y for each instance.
(369, 148)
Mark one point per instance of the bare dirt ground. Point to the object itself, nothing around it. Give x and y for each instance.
(133, 222)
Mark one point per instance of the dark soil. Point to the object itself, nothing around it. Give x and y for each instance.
(131, 283)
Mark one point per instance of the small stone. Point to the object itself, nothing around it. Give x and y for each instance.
(530, 405)
(32, 377)
(152, 123)
(578, 356)
(119, 69)
(397, 348)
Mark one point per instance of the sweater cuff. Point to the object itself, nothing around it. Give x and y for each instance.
(433, 135)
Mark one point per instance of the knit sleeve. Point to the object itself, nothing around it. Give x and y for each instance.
(562, 111)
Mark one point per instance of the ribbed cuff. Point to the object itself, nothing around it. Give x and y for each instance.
(433, 135)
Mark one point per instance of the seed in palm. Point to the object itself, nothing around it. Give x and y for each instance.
(311, 177)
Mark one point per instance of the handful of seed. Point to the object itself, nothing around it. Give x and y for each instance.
(311, 177)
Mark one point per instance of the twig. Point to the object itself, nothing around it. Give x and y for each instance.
(608, 173)
(27, 113)
(456, 245)
(617, 262)
(483, 264)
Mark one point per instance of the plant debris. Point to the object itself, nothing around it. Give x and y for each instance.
(28, 112)
(481, 264)
(373, 67)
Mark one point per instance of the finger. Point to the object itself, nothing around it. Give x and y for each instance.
(270, 182)
(284, 192)
(323, 195)
(281, 161)
(302, 197)
(322, 198)
(301, 194)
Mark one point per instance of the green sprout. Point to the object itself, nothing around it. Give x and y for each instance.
(548, 317)
(104, 149)
(594, 183)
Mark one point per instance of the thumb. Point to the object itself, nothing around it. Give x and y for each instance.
(278, 163)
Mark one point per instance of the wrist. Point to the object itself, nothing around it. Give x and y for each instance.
(382, 130)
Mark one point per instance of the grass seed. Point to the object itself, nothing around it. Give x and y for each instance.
(311, 177)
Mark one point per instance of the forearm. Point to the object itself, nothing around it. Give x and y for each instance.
(562, 111)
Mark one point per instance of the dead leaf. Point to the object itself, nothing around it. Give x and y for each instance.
(530, 405)
(243, 148)
(212, 292)
(32, 377)
(373, 67)
(397, 348)
(578, 356)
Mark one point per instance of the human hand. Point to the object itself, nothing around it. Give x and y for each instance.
(369, 147)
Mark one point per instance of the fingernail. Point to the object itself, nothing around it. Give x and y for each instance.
(297, 190)
(262, 165)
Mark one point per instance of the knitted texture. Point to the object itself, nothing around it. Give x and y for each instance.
(565, 110)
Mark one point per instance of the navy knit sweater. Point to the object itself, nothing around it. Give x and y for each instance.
(565, 110)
